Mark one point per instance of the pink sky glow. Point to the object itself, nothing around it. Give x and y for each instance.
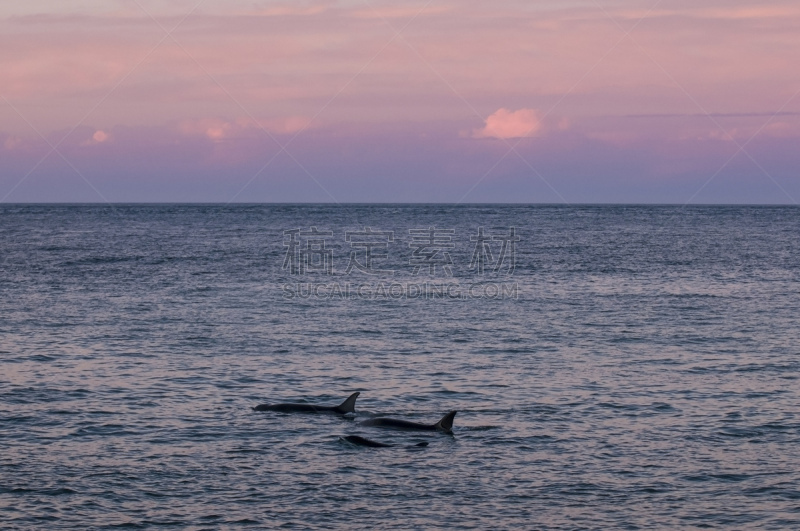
(356, 100)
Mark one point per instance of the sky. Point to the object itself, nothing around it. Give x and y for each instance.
(509, 101)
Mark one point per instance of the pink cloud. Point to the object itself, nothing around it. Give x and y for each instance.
(218, 129)
(286, 125)
(782, 130)
(289, 59)
(212, 128)
(13, 142)
(98, 137)
(399, 11)
(510, 124)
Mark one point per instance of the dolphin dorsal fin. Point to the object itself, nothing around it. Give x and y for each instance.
(349, 405)
(446, 424)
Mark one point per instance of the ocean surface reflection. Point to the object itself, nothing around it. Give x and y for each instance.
(645, 377)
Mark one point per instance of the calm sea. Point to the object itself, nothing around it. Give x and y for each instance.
(613, 367)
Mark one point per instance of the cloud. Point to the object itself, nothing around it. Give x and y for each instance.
(212, 128)
(511, 53)
(510, 124)
(287, 125)
(13, 142)
(781, 130)
(98, 137)
(400, 12)
(218, 129)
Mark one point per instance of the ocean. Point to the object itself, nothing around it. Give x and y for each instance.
(613, 366)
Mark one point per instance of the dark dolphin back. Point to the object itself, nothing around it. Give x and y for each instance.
(363, 441)
(289, 408)
(349, 405)
(446, 424)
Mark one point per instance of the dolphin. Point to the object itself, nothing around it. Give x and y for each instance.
(362, 441)
(445, 424)
(348, 406)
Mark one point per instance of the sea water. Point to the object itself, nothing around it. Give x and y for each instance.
(613, 367)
